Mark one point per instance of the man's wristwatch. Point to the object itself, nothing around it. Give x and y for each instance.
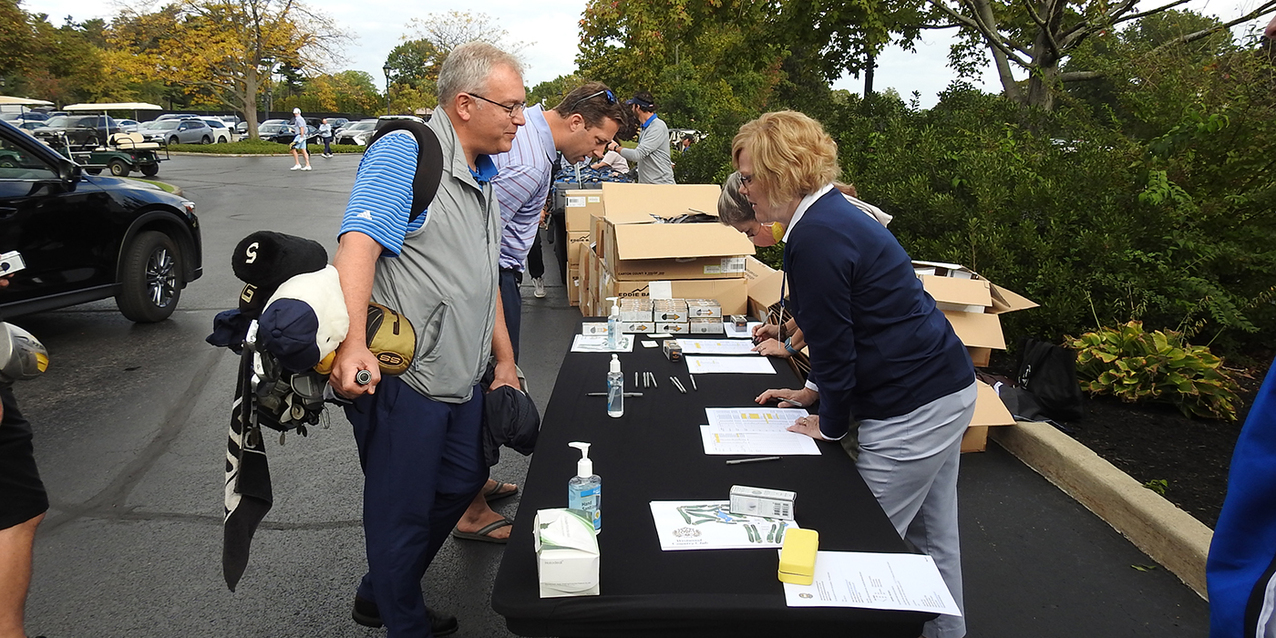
(788, 345)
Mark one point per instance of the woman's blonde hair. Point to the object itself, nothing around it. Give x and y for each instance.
(792, 155)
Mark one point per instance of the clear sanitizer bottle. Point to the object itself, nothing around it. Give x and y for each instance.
(615, 389)
(585, 490)
(613, 324)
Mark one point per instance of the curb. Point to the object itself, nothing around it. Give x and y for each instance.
(1167, 534)
(190, 154)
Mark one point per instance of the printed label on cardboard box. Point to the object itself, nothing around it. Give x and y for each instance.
(575, 202)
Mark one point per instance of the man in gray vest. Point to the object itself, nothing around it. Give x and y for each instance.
(419, 433)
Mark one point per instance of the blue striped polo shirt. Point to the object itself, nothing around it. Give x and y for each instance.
(381, 200)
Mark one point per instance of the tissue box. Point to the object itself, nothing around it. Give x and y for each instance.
(566, 553)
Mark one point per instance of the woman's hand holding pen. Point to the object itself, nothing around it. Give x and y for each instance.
(765, 331)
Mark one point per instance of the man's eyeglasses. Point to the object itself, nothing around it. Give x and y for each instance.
(611, 99)
(513, 109)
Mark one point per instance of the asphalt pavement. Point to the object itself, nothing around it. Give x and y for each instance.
(130, 424)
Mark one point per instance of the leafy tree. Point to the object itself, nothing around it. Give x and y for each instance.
(446, 31)
(227, 49)
(1037, 36)
(551, 92)
(701, 59)
(343, 92)
(416, 64)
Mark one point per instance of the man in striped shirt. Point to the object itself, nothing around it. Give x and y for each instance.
(582, 124)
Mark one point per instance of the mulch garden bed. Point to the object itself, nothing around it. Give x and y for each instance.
(1154, 442)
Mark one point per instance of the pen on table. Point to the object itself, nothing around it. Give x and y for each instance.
(757, 459)
(791, 402)
(678, 385)
(603, 394)
(693, 382)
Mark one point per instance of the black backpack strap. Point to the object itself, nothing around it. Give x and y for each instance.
(429, 162)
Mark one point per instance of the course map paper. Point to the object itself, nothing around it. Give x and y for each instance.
(737, 365)
(716, 346)
(685, 525)
(903, 582)
(756, 443)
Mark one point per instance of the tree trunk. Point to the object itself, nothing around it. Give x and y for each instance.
(1042, 86)
(869, 65)
(251, 86)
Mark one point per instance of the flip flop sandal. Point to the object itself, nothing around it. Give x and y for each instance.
(498, 491)
(482, 534)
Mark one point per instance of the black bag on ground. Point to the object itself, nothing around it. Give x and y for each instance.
(1049, 372)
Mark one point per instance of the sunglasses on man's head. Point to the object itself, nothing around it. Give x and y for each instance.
(611, 98)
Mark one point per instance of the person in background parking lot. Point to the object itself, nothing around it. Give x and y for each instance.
(325, 134)
(652, 154)
(299, 142)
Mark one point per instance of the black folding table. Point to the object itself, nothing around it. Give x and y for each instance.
(654, 452)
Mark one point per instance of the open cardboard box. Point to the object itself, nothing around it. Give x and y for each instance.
(579, 206)
(731, 294)
(972, 305)
(634, 247)
(989, 412)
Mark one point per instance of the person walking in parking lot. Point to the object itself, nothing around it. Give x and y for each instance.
(299, 142)
(419, 433)
(325, 134)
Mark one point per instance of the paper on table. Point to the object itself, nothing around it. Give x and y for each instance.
(753, 419)
(649, 344)
(742, 333)
(709, 525)
(741, 365)
(716, 346)
(756, 443)
(591, 343)
(904, 582)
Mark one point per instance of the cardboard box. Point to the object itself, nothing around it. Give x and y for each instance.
(673, 251)
(579, 206)
(764, 291)
(577, 242)
(989, 412)
(567, 556)
(666, 307)
(635, 309)
(971, 304)
(635, 247)
(672, 328)
(706, 326)
(638, 327)
(705, 308)
(573, 290)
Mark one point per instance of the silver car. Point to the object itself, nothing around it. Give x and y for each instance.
(221, 133)
(191, 131)
(357, 132)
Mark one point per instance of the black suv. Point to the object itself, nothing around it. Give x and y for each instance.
(87, 237)
(81, 131)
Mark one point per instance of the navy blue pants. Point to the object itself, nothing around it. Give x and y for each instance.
(422, 465)
(512, 304)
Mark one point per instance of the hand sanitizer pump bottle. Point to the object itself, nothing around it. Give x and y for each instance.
(615, 389)
(613, 324)
(585, 490)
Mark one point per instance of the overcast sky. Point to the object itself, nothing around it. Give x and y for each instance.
(549, 28)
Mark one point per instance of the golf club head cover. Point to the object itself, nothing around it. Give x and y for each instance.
(305, 320)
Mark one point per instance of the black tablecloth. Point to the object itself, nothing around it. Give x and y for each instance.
(654, 452)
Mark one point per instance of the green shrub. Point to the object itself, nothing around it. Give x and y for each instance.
(1135, 365)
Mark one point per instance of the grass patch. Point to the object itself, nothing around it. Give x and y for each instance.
(258, 147)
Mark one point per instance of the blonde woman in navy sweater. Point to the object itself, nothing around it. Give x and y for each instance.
(882, 354)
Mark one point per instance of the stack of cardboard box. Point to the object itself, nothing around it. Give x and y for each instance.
(631, 250)
(972, 305)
